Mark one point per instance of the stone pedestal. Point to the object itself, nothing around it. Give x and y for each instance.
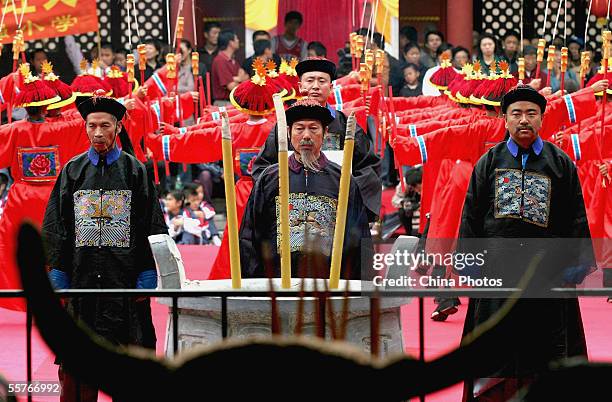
(200, 318)
(199, 321)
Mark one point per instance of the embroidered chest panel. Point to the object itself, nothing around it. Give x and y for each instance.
(311, 222)
(331, 142)
(245, 158)
(522, 195)
(39, 164)
(102, 218)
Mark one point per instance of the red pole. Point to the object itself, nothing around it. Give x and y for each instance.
(394, 133)
(208, 94)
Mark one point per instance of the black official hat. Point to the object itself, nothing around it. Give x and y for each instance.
(99, 103)
(523, 93)
(316, 64)
(308, 109)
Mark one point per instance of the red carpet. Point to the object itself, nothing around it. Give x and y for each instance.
(439, 337)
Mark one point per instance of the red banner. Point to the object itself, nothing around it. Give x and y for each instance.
(47, 18)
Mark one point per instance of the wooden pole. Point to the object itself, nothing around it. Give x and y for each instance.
(345, 182)
(283, 182)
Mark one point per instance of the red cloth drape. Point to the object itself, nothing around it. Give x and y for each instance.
(328, 22)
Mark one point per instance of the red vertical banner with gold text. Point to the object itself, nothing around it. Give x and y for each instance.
(48, 18)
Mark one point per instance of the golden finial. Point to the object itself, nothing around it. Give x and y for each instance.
(95, 63)
(130, 67)
(83, 66)
(195, 63)
(24, 69)
(47, 67)
(259, 78)
(142, 56)
(171, 65)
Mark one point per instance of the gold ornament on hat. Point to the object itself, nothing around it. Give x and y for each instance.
(95, 63)
(47, 70)
(83, 66)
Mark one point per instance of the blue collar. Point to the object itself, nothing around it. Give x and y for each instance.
(111, 156)
(513, 147)
(331, 109)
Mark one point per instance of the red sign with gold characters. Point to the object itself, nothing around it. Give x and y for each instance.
(48, 18)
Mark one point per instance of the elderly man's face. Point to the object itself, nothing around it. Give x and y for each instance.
(523, 122)
(102, 129)
(317, 85)
(307, 139)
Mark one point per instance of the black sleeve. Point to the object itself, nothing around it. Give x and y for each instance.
(153, 216)
(366, 171)
(268, 155)
(251, 263)
(358, 248)
(58, 225)
(476, 202)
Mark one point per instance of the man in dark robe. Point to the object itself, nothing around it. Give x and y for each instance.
(316, 76)
(314, 183)
(100, 213)
(522, 192)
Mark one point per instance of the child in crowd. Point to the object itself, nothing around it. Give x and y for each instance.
(413, 86)
(181, 227)
(199, 208)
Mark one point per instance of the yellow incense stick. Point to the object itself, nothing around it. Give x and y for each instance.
(230, 202)
(345, 181)
(283, 191)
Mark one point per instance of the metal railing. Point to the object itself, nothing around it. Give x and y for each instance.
(223, 296)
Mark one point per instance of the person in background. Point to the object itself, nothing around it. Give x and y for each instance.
(574, 46)
(392, 71)
(226, 72)
(262, 49)
(412, 55)
(571, 79)
(36, 59)
(444, 50)
(510, 43)
(180, 226)
(121, 58)
(489, 52)
(461, 56)
(196, 208)
(186, 79)
(317, 49)
(412, 86)
(433, 40)
(153, 51)
(107, 55)
(530, 54)
(289, 44)
(407, 34)
(211, 47)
